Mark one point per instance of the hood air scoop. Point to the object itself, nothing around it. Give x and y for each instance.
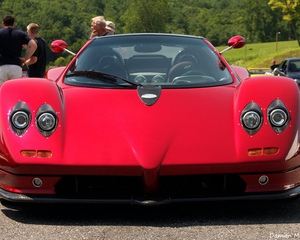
(149, 94)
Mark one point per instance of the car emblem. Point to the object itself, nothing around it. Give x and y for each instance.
(149, 94)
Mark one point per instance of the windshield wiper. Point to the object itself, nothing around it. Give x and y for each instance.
(105, 76)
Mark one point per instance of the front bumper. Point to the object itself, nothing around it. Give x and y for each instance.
(133, 190)
(17, 197)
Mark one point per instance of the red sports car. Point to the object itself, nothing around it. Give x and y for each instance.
(149, 119)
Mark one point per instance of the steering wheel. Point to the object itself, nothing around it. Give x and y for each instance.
(109, 65)
(184, 56)
(183, 68)
(113, 54)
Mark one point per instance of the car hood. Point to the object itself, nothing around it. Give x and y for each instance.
(114, 127)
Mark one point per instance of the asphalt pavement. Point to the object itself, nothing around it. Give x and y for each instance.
(215, 220)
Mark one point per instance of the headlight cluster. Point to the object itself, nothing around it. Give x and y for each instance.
(252, 118)
(20, 118)
(46, 119)
(277, 115)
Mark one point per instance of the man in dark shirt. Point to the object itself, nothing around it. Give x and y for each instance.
(37, 63)
(274, 65)
(11, 41)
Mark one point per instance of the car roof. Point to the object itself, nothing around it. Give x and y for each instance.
(291, 59)
(151, 34)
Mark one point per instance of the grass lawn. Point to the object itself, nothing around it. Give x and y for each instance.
(261, 54)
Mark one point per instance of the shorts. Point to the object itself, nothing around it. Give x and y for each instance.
(9, 71)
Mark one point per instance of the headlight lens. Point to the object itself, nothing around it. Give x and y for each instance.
(278, 117)
(20, 120)
(251, 120)
(46, 121)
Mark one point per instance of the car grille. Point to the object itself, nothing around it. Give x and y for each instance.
(107, 187)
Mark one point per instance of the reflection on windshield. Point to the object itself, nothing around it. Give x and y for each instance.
(168, 61)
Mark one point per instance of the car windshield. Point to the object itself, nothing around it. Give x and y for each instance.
(126, 61)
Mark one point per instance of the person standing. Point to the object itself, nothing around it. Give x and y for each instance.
(98, 27)
(37, 63)
(11, 41)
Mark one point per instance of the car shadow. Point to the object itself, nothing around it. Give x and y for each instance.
(173, 215)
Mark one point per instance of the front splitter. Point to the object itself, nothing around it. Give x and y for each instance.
(17, 197)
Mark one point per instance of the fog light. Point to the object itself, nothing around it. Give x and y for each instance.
(263, 180)
(37, 182)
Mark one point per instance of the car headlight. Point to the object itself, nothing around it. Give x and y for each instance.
(20, 120)
(251, 120)
(278, 117)
(46, 121)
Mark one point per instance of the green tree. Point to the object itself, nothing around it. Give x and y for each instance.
(260, 22)
(146, 16)
(291, 11)
(113, 11)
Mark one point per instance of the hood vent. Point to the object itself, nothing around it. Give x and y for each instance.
(149, 94)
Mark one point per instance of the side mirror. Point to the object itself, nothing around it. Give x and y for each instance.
(59, 46)
(235, 42)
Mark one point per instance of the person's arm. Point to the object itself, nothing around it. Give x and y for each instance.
(93, 34)
(31, 60)
(30, 51)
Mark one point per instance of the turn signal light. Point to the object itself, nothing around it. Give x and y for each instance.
(44, 154)
(255, 152)
(28, 153)
(260, 151)
(33, 153)
(270, 151)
